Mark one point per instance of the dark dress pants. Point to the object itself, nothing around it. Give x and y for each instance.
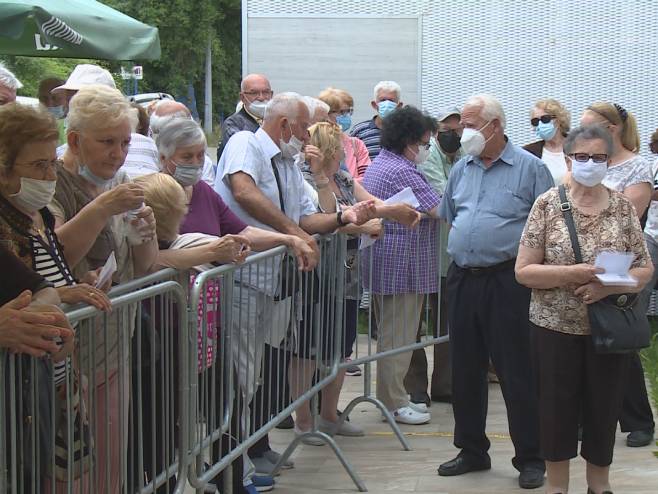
(488, 318)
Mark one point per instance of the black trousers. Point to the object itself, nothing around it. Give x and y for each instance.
(574, 380)
(488, 318)
(636, 414)
(271, 397)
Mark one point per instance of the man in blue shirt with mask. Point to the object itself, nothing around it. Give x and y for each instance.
(487, 201)
(387, 99)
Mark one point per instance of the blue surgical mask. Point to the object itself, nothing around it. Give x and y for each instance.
(93, 179)
(545, 131)
(345, 122)
(385, 107)
(57, 111)
(187, 175)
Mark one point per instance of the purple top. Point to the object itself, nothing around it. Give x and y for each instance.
(405, 260)
(209, 214)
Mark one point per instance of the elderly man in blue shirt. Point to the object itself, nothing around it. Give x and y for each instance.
(487, 200)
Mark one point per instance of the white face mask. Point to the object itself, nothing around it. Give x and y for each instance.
(292, 147)
(34, 194)
(257, 108)
(589, 173)
(422, 154)
(473, 140)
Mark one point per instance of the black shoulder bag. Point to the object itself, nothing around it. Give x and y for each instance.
(289, 277)
(617, 322)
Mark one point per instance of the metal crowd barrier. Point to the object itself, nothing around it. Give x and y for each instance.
(188, 374)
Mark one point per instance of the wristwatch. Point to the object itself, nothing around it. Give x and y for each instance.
(339, 219)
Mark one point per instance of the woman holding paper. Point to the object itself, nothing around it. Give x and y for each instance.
(402, 269)
(572, 377)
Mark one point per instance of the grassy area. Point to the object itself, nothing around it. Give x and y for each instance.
(650, 362)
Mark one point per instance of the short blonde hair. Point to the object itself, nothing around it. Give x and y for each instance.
(554, 107)
(335, 97)
(327, 138)
(21, 125)
(616, 115)
(98, 107)
(169, 203)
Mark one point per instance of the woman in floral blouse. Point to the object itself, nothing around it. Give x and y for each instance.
(572, 377)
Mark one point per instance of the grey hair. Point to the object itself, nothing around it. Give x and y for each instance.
(588, 133)
(314, 103)
(157, 122)
(7, 78)
(490, 107)
(179, 133)
(284, 105)
(387, 86)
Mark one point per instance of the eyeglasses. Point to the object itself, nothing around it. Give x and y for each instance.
(584, 157)
(543, 119)
(258, 94)
(348, 111)
(44, 166)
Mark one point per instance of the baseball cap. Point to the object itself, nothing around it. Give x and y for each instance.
(448, 112)
(85, 75)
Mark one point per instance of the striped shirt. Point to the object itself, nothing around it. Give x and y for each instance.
(371, 136)
(50, 264)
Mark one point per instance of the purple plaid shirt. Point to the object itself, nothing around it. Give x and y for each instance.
(404, 261)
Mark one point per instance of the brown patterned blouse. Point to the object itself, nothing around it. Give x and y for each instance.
(615, 228)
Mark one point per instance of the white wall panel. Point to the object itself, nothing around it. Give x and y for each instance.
(575, 51)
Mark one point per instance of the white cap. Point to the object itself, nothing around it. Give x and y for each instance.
(85, 75)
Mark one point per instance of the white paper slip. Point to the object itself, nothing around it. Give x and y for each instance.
(107, 271)
(405, 196)
(616, 266)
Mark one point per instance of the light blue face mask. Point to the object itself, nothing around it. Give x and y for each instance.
(57, 111)
(345, 122)
(187, 175)
(93, 179)
(545, 131)
(386, 107)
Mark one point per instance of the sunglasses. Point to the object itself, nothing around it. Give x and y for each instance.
(543, 119)
(584, 157)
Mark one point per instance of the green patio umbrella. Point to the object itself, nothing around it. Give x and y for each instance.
(74, 29)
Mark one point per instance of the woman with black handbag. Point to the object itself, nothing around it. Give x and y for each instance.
(567, 228)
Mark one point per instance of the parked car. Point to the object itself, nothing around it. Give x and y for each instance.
(145, 98)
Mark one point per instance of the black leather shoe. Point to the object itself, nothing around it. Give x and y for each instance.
(422, 397)
(463, 464)
(590, 491)
(442, 398)
(637, 439)
(531, 478)
(287, 423)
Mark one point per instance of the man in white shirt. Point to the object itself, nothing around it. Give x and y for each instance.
(259, 181)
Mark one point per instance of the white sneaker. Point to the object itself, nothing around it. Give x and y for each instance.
(407, 415)
(419, 407)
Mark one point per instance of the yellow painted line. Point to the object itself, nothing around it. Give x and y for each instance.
(433, 434)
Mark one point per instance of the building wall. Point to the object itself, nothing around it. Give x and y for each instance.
(575, 51)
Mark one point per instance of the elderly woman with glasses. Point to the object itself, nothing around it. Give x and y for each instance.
(341, 108)
(551, 123)
(28, 178)
(573, 379)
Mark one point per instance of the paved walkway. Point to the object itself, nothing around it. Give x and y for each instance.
(385, 467)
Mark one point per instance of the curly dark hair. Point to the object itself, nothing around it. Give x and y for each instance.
(405, 126)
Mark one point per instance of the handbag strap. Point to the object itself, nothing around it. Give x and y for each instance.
(278, 185)
(565, 207)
